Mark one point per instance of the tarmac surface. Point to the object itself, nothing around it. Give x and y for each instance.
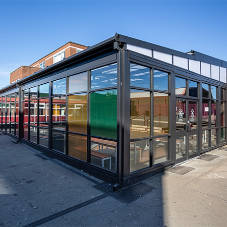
(36, 190)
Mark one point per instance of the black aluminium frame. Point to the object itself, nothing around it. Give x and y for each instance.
(123, 57)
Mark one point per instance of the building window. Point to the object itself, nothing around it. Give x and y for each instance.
(59, 56)
(42, 65)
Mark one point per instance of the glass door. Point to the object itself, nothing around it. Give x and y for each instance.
(186, 129)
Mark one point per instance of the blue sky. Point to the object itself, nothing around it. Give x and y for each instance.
(32, 29)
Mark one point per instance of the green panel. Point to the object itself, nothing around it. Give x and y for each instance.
(103, 113)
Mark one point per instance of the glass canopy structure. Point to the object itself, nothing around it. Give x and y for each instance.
(121, 110)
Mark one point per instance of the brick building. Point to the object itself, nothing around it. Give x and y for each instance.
(57, 55)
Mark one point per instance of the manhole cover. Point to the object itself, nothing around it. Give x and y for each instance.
(208, 157)
(181, 169)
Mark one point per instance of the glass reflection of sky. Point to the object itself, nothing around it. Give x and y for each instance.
(44, 90)
(78, 82)
(139, 76)
(213, 92)
(160, 80)
(104, 77)
(59, 86)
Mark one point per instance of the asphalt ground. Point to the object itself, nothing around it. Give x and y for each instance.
(36, 190)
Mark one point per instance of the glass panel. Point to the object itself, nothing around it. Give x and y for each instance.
(140, 50)
(3, 113)
(139, 155)
(59, 87)
(223, 113)
(205, 113)
(163, 56)
(103, 113)
(193, 114)
(194, 66)
(8, 109)
(43, 137)
(213, 92)
(43, 112)
(33, 112)
(213, 137)
(17, 112)
(215, 72)
(205, 139)
(77, 146)
(222, 93)
(160, 152)
(58, 141)
(25, 112)
(12, 110)
(25, 132)
(17, 129)
(192, 145)
(33, 93)
(181, 147)
(205, 69)
(160, 80)
(44, 90)
(33, 134)
(104, 77)
(161, 113)
(180, 114)
(58, 117)
(180, 62)
(25, 94)
(77, 113)
(206, 91)
(213, 113)
(104, 153)
(12, 128)
(139, 76)
(140, 118)
(180, 86)
(193, 89)
(78, 82)
(223, 140)
(223, 74)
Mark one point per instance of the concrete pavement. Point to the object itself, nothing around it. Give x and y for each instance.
(36, 190)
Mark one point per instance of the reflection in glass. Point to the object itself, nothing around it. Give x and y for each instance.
(139, 76)
(44, 90)
(104, 153)
(180, 114)
(192, 145)
(103, 113)
(160, 80)
(33, 134)
(25, 112)
(222, 94)
(223, 113)
(25, 132)
(213, 137)
(43, 112)
(17, 112)
(77, 113)
(78, 82)
(213, 113)
(59, 87)
(180, 147)
(193, 89)
(25, 94)
(59, 107)
(77, 146)
(161, 113)
(139, 114)
(139, 155)
(33, 93)
(222, 140)
(12, 112)
(205, 113)
(193, 114)
(205, 139)
(58, 141)
(160, 152)
(17, 129)
(33, 112)
(213, 92)
(205, 92)
(43, 137)
(180, 86)
(104, 77)
(12, 127)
